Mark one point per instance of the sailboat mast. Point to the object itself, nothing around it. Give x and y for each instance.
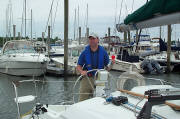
(25, 18)
(75, 24)
(87, 17)
(66, 19)
(31, 24)
(87, 29)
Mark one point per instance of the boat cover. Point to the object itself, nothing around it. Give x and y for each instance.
(152, 9)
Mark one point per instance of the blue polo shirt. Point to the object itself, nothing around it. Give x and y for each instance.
(94, 59)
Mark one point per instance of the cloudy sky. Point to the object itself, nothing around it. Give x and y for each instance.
(101, 15)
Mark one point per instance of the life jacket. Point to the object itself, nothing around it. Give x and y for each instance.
(101, 53)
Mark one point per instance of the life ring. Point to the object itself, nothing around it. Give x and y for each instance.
(133, 77)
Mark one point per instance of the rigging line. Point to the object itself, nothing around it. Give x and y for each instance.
(132, 6)
(49, 15)
(54, 18)
(120, 11)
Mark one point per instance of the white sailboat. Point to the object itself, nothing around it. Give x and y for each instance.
(19, 58)
(142, 101)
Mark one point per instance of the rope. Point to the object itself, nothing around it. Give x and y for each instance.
(55, 16)
(50, 12)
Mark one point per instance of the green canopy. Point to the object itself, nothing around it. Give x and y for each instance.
(153, 8)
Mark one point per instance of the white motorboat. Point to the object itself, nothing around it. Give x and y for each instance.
(19, 58)
(123, 61)
(74, 52)
(56, 50)
(141, 102)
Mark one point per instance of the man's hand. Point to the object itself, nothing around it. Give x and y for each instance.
(109, 67)
(83, 73)
(80, 70)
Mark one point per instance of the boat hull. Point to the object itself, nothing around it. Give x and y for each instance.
(72, 63)
(20, 68)
(125, 66)
(28, 64)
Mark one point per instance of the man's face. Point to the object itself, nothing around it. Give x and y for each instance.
(93, 42)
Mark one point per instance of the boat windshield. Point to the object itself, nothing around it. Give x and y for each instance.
(18, 47)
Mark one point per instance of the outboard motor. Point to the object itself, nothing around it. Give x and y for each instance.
(151, 67)
(157, 66)
(147, 67)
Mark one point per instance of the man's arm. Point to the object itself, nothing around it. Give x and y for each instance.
(80, 64)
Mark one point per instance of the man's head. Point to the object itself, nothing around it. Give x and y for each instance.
(93, 40)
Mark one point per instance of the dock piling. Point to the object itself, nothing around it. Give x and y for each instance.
(14, 32)
(169, 50)
(66, 13)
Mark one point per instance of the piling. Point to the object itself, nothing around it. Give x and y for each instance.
(48, 40)
(14, 32)
(79, 40)
(109, 35)
(125, 37)
(169, 50)
(19, 35)
(136, 36)
(129, 37)
(66, 13)
(87, 32)
(43, 34)
(160, 29)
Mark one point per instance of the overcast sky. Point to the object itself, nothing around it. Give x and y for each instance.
(101, 15)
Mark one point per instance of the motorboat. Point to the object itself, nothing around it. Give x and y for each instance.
(19, 58)
(126, 59)
(74, 51)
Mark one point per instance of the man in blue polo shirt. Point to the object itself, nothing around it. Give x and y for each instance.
(94, 56)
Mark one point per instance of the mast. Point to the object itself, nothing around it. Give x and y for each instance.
(87, 17)
(87, 29)
(75, 24)
(78, 21)
(31, 24)
(25, 18)
(66, 19)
